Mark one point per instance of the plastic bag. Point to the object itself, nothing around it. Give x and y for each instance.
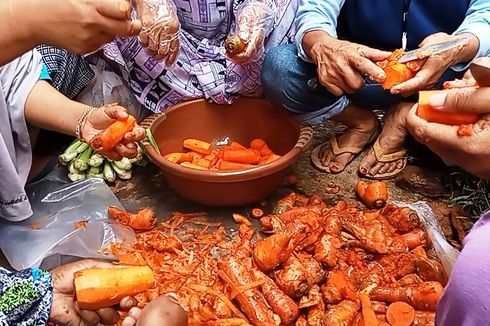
(106, 88)
(446, 253)
(52, 232)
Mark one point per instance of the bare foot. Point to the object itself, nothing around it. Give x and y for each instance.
(362, 125)
(391, 140)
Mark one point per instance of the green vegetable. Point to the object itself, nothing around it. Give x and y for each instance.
(66, 158)
(98, 175)
(80, 149)
(123, 164)
(81, 162)
(93, 170)
(121, 173)
(109, 174)
(72, 169)
(96, 160)
(152, 141)
(137, 159)
(76, 176)
(73, 146)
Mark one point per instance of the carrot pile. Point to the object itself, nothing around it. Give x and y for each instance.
(310, 264)
(201, 155)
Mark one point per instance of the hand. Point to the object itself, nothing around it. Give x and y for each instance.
(254, 21)
(80, 26)
(101, 118)
(163, 311)
(435, 65)
(341, 65)
(65, 311)
(161, 27)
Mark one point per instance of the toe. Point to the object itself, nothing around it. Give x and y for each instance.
(367, 163)
(375, 169)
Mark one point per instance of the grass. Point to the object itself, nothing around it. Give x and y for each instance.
(469, 192)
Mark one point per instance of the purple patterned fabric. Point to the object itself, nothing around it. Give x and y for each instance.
(202, 69)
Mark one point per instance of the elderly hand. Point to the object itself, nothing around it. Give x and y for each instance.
(85, 25)
(437, 64)
(64, 310)
(101, 118)
(163, 311)
(341, 65)
(161, 28)
(469, 152)
(254, 21)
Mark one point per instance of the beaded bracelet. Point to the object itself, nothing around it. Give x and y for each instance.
(78, 128)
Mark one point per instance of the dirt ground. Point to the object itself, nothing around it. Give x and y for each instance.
(148, 188)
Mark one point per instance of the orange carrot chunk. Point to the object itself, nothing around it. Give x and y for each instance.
(247, 156)
(104, 287)
(198, 146)
(374, 195)
(179, 157)
(192, 166)
(426, 112)
(400, 314)
(257, 213)
(232, 166)
(236, 145)
(110, 137)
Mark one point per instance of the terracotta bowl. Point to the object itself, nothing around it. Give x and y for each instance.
(243, 121)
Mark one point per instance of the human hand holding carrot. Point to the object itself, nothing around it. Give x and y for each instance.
(65, 310)
(111, 132)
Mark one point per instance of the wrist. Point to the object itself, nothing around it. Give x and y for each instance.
(313, 39)
(470, 50)
(81, 123)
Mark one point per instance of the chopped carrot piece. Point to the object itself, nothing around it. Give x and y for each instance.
(198, 146)
(236, 145)
(110, 137)
(400, 314)
(247, 156)
(232, 166)
(179, 157)
(426, 112)
(192, 166)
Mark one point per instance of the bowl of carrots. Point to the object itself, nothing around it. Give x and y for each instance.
(225, 155)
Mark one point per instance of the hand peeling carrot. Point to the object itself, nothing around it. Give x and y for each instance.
(104, 287)
(396, 72)
(110, 137)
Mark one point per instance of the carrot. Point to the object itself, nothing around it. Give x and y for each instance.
(112, 135)
(374, 195)
(396, 73)
(192, 166)
(465, 131)
(104, 287)
(248, 156)
(204, 163)
(257, 213)
(258, 144)
(232, 166)
(368, 314)
(198, 146)
(426, 112)
(144, 219)
(269, 159)
(179, 157)
(236, 145)
(400, 314)
(292, 179)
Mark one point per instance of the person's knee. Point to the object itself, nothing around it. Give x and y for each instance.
(282, 73)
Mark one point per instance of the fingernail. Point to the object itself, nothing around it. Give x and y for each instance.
(437, 100)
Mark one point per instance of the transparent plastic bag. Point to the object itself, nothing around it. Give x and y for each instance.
(446, 253)
(52, 231)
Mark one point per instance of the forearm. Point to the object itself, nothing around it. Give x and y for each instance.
(48, 109)
(25, 297)
(319, 19)
(16, 38)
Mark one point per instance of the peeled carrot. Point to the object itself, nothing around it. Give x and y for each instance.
(236, 145)
(232, 166)
(426, 112)
(374, 195)
(204, 163)
(368, 314)
(258, 144)
(110, 137)
(257, 213)
(269, 159)
(192, 166)
(104, 287)
(198, 146)
(247, 156)
(400, 314)
(396, 74)
(179, 157)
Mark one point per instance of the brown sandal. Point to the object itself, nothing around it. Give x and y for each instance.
(336, 150)
(387, 158)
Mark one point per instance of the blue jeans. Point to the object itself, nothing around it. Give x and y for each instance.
(285, 79)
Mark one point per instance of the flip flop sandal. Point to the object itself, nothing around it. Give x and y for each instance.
(336, 150)
(387, 158)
